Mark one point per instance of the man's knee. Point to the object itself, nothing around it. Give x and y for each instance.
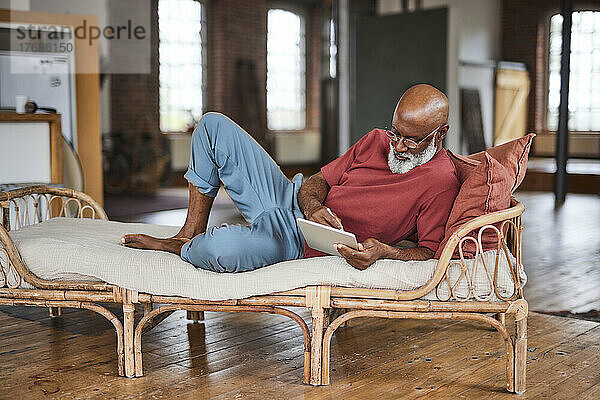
(211, 126)
(204, 252)
(228, 253)
(212, 121)
(212, 118)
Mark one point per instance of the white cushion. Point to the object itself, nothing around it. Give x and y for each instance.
(85, 249)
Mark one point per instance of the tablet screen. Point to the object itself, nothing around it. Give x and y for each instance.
(321, 237)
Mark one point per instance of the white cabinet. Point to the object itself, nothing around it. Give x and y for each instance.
(30, 148)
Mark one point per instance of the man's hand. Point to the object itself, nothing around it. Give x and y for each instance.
(311, 197)
(322, 215)
(367, 253)
(372, 250)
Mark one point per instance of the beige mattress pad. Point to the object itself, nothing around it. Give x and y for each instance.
(86, 249)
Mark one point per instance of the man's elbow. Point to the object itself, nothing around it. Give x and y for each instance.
(318, 180)
(414, 254)
(425, 253)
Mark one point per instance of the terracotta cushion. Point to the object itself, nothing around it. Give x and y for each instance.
(512, 155)
(485, 188)
(487, 179)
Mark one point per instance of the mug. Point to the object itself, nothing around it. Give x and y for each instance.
(20, 101)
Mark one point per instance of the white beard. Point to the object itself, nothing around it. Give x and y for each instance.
(413, 160)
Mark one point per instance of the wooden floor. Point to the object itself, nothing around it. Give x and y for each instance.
(561, 251)
(249, 356)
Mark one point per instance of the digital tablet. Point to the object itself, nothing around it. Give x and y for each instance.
(321, 237)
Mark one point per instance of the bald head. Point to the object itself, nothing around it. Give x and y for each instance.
(421, 109)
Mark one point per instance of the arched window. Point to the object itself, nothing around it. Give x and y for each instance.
(182, 68)
(286, 71)
(584, 78)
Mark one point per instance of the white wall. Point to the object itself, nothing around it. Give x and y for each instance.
(180, 151)
(25, 152)
(82, 7)
(474, 35)
(21, 5)
(479, 41)
(298, 148)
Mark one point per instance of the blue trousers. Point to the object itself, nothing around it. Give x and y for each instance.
(222, 151)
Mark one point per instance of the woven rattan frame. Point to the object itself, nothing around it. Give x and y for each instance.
(349, 303)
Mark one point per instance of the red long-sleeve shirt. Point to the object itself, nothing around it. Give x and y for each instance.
(373, 202)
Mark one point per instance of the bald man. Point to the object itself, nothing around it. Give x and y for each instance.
(393, 183)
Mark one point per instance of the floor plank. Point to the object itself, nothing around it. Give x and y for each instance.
(561, 251)
(456, 364)
(260, 357)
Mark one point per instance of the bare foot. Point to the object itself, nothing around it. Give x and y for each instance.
(146, 242)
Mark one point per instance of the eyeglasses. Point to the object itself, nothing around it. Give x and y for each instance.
(411, 144)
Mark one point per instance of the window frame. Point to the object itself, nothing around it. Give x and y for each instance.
(304, 14)
(204, 53)
(546, 74)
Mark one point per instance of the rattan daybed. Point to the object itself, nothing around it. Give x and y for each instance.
(438, 298)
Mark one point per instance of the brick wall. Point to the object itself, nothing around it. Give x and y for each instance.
(313, 78)
(236, 30)
(521, 21)
(134, 97)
